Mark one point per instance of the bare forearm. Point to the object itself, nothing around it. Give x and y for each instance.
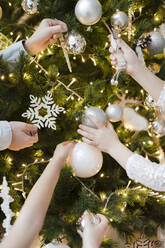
(120, 153)
(34, 210)
(151, 83)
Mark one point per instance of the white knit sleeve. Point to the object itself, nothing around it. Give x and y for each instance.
(146, 172)
(161, 101)
(12, 53)
(5, 135)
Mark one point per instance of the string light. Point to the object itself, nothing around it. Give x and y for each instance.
(11, 75)
(10, 4)
(82, 58)
(11, 33)
(103, 196)
(102, 175)
(2, 77)
(94, 61)
(9, 160)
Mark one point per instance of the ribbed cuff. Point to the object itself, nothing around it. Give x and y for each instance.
(5, 135)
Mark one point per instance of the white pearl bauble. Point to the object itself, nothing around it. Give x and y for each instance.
(114, 113)
(119, 19)
(157, 43)
(97, 113)
(86, 160)
(88, 12)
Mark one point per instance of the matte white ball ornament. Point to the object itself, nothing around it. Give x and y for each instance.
(86, 160)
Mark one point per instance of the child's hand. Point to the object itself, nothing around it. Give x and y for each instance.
(93, 234)
(62, 152)
(129, 56)
(47, 33)
(104, 138)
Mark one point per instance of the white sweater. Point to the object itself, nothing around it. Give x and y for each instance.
(10, 54)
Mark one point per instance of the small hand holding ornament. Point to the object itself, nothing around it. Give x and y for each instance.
(94, 227)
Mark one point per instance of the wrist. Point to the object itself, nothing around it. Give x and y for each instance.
(134, 68)
(58, 162)
(28, 45)
(113, 150)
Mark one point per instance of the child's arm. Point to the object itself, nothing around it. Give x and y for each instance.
(137, 167)
(31, 217)
(135, 68)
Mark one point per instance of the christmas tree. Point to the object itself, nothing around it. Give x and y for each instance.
(129, 206)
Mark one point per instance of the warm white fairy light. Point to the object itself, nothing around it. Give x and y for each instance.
(2, 77)
(82, 59)
(94, 61)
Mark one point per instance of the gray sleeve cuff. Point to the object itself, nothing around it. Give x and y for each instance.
(12, 53)
(5, 135)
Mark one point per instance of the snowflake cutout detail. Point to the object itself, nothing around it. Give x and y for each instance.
(47, 103)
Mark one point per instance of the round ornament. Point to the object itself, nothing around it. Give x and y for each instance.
(0, 12)
(161, 234)
(157, 43)
(30, 6)
(119, 20)
(86, 160)
(97, 113)
(75, 43)
(114, 113)
(94, 219)
(88, 12)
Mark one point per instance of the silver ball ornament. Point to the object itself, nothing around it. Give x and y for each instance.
(94, 219)
(88, 12)
(157, 43)
(114, 113)
(86, 160)
(119, 20)
(30, 6)
(75, 43)
(97, 113)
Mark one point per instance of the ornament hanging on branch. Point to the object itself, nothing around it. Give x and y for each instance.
(5, 206)
(86, 160)
(75, 43)
(154, 42)
(30, 6)
(43, 111)
(88, 12)
(97, 113)
(114, 112)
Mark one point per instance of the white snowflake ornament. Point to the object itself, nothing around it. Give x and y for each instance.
(5, 206)
(47, 104)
